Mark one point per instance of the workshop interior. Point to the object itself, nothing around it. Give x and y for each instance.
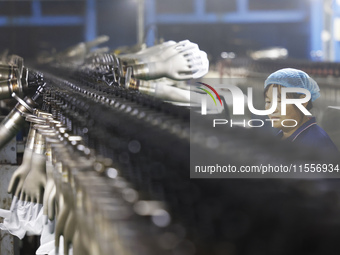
(103, 121)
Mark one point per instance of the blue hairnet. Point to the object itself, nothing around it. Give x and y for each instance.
(294, 78)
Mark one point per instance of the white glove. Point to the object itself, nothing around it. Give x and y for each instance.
(141, 56)
(200, 62)
(55, 251)
(32, 219)
(162, 52)
(11, 220)
(181, 61)
(22, 218)
(46, 239)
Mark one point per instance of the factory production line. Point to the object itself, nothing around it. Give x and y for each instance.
(105, 167)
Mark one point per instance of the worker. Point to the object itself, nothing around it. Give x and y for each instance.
(298, 127)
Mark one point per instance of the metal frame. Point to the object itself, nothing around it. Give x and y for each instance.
(237, 17)
(316, 27)
(336, 41)
(314, 12)
(242, 15)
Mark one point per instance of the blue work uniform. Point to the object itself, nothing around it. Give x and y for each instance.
(312, 135)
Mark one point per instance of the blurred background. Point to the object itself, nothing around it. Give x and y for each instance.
(308, 29)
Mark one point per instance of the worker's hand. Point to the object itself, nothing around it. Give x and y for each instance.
(18, 178)
(35, 182)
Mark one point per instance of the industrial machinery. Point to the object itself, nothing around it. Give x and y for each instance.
(107, 159)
